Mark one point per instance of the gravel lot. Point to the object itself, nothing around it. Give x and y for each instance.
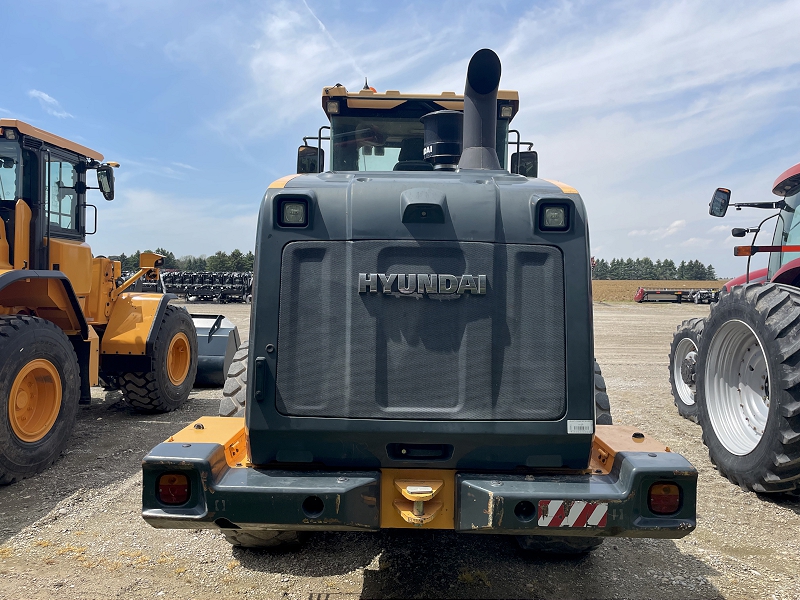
(75, 530)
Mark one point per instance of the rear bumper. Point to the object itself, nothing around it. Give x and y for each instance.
(226, 496)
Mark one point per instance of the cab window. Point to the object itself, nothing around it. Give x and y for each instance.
(787, 233)
(60, 180)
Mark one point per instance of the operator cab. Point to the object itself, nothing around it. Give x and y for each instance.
(372, 131)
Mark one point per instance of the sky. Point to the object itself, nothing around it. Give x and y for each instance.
(644, 107)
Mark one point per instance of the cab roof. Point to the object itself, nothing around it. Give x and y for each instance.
(50, 138)
(392, 99)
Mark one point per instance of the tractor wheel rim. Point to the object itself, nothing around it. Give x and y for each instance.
(178, 358)
(685, 390)
(35, 400)
(737, 387)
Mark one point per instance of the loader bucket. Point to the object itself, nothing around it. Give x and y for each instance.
(217, 342)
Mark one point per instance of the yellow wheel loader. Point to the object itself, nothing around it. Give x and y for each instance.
(67, 319)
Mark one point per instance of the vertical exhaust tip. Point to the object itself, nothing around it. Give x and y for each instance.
(483, 73)
(480, 112)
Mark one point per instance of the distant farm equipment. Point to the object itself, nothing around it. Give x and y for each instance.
(218, 287)
(676, 295)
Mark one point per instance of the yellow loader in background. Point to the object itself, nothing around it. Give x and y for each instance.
(67, 319)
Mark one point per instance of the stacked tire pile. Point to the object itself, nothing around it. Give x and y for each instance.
(737, 374)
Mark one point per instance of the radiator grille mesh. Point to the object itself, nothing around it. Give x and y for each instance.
(498, 356)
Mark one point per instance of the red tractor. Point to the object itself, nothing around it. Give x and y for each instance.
(737, 372)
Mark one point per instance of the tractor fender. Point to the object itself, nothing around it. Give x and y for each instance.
(788, 273)
(133, 324)
(757, 276)
(49, 294)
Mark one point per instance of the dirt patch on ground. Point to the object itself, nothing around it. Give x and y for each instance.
(623, 290)
(75, 531)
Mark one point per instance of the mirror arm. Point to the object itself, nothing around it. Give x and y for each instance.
(780, 204)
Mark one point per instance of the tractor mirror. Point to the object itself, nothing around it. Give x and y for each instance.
(525, 163)
(719, 202)
(310, 159)
(105, 180)
(738, 232)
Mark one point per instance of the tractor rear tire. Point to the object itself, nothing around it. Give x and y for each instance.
(40, 382)
(602, 406)
(748, 391)
(167, 386)
(563, 545)
(234, 394)
(263, 538)
(683, 366)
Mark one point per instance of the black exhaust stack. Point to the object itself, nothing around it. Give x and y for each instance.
(480, 112)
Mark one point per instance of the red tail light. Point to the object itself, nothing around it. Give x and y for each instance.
(173, 489)
(664, 498)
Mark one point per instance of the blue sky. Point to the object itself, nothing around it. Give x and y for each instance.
(644, 107)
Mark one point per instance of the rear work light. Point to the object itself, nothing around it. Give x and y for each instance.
(293, 212)
(553, 217)
(173, 488)
(664, 498)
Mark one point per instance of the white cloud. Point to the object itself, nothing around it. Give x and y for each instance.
(49, 104)
(696, 243)
(184, 166)
(185, 225)
(719, 229)
(661, 232)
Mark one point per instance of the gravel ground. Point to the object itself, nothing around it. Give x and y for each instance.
(75, 530)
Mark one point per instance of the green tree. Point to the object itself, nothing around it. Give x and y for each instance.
(681, 271)
(668, 270)
(710, 273)
(236, 261)
(601, 269)
(249, 261)
(219, 262)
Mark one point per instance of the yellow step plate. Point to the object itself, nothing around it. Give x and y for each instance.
(418, 489)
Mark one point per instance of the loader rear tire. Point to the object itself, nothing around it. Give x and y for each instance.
(562, 545)
(167, 386)
(602, 406)
(40, 383)
(234, 394)
(683, 366)
(748, 387)
(263, 538)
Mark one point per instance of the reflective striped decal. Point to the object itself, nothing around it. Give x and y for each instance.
(572, 513)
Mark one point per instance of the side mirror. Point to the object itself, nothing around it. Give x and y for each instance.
(105, 181)
(525, 163)
(310, 159)
(738, 232)
(719, 202)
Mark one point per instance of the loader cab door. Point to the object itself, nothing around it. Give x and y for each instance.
(62, 203)
(62, 229)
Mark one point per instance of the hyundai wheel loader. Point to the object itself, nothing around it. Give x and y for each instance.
(67, 319)
(421, 350)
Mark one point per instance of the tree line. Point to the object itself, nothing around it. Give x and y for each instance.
(645, 268)
(220, 262)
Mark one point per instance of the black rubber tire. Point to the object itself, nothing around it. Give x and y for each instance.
(559, 545)
(153, 391)
(691, 329)
(234, 394)
(773, 313)
(23, 339)
(602, 406)
(263, 538)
